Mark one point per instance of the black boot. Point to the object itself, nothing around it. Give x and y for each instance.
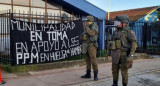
(95, 75)
(115, 83)
(124, 84)
(87, 75)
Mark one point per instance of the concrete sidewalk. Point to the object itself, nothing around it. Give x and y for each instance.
(71, 76)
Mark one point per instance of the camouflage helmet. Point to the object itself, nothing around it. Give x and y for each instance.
(122, 18)
(90, 18)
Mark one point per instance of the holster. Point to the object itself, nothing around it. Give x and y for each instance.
(84, 47)
(129, 62)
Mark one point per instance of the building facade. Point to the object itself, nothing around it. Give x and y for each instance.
(49, 11)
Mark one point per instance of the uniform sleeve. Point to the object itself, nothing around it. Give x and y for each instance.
(133, 47)
(132, 39)
(92, 32)
(131, 36)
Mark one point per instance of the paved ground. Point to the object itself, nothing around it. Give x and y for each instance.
(145, 72)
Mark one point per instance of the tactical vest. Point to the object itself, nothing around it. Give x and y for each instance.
(125, 43)
(95, 28)
(122, 39)
(89, 40)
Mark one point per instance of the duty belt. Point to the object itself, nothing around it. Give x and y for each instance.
(91, 43)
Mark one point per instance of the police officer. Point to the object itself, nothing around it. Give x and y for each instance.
(122, 46)
(89, 47)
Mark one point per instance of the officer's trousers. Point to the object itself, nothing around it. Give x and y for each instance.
(120, 66)
(90, 58)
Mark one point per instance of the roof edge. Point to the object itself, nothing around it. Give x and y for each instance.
(95, 6)
(137, 8)
(149, 12)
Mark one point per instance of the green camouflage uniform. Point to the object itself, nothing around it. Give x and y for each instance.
(89, 45)
(124, 41)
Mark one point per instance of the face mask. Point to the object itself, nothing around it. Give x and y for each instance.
(116, 23)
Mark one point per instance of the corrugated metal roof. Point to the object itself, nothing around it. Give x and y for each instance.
(82, 7)
(133, 14)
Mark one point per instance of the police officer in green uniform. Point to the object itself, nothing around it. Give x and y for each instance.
(122, 46)
(89, 47)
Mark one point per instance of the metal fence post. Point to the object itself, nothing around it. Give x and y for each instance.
(145, 29)
(11, 57)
